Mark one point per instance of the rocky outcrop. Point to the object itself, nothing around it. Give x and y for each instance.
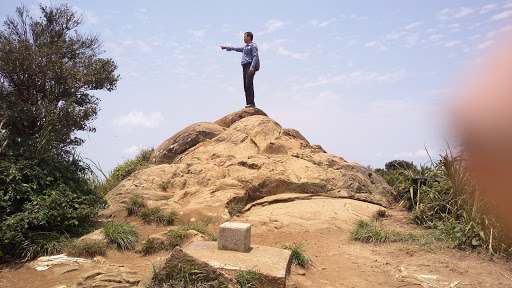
(184, 140)
(246, 157)
(228, 120)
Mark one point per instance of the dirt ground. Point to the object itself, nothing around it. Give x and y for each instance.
(337, 260)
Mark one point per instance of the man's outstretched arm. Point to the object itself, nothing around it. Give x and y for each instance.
(237, 49)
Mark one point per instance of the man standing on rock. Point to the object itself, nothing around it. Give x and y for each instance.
(250, 64)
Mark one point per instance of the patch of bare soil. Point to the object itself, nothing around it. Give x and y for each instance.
(341, 262)
(337, 260)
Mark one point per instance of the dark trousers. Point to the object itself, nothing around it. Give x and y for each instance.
(248, 84)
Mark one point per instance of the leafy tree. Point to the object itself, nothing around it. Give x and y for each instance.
(396, 165)
(47, 70)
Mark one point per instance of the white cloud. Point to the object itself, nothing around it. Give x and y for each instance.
(395, 35)
(418, 154)
(133, 149)
(321, 24)
(454, 27)
(139, 45)
(360, 76)
(413, 25)
(452, 43)
(357, 77)
(198, 33)
(461, 12)
(138, 119)
(389, 106)
(265, 46)
(354, 17)
(485, 44)
(141, 14)
(271, 26)
(502, 15)
(436, 92)
(508, 5)
(412, 39)
(91, 18)
(284, 52)
(492, 34)
(436, 37)
(370, 44)
(488, 8)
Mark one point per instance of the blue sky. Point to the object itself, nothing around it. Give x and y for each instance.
(367, 80)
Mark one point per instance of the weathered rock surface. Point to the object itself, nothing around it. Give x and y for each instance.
(251, 159)
(110, 276)
(184, 140)
(228, 120)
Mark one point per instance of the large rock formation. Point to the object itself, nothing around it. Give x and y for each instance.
(239, 159)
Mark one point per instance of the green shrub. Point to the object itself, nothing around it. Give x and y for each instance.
(152, 245)
(122, 235)
(370, 233)
(150, 215)
(379, 214)
(247, 278)
(123, 171)
(201, 228)
(43, 243)
(89, 248)
(164, 185)
(299, 256)
(399, 165)
(135, 206)
(176, 237)
(42, 196)
(375, 233)
(155, 214)
(170, 218)
(235, 207)
(444, 197)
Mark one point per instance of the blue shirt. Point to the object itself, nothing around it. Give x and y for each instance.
(249, 53)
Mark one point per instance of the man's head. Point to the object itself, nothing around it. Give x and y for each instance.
(248, 37)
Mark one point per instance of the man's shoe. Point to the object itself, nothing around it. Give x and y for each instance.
(250, 106)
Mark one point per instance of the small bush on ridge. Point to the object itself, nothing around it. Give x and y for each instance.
(124, 236)
(89, 248)
(152, 245)
(136, 205)
(299, 256)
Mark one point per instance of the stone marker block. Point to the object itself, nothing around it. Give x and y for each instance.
(234, 237)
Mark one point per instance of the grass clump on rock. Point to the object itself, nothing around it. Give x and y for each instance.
(178, 275)
(369, 233)
(164, 185)
(176, 237)
(235, 207)
(123, 171)
(152, 245)
(247, 278)
(122, 235)
(201, 226)
(299, 256)
(135, 206)
(88, 248)
(155, 215)
(379, 214)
